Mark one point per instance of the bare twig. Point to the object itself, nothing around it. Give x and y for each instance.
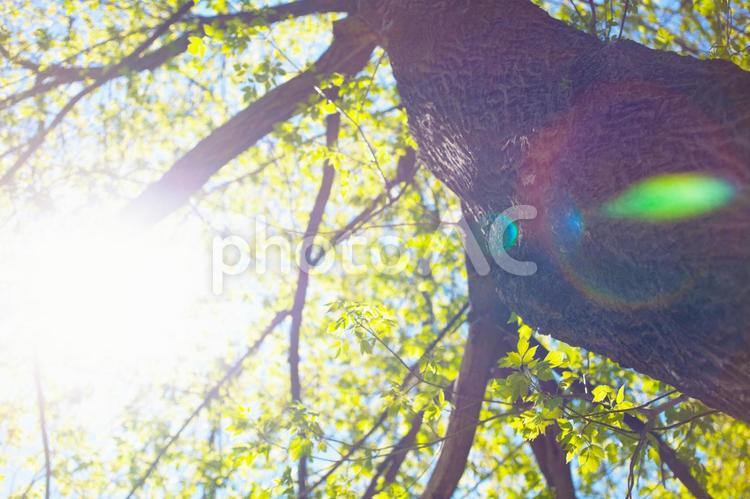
(43, 426)
(639, 447)
(624, 16)
(592, 26)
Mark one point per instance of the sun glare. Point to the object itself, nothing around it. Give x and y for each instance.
(94, 304)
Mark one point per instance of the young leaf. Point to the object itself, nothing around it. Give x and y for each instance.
(600, 392)
(196, 46)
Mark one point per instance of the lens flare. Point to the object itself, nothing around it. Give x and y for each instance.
(671, 197)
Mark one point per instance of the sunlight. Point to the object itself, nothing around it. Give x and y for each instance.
(94, 303)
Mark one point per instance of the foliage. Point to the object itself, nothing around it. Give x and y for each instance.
(367, 350)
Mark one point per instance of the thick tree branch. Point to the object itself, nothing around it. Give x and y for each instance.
(485, 345)
(347, 54)
(551, 461)
(618, 286)
(279, 13)
(333, 123)
(481, 353)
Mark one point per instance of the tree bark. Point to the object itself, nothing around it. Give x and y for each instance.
(510, 106)
(550, 457)
(484, 347)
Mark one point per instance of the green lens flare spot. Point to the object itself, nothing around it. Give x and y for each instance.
(509, 233)
(670, 197)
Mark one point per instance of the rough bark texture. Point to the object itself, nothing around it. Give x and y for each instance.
(511, 107)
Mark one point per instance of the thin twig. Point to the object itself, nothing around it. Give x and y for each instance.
(43, 426)
(592, 26)
(624, 16)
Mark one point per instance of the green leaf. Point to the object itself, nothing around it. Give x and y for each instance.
(519, 385)
(512, 359)
(555, 358)
(299, 447)
(337, 79)
(196, 46)
(328, 106)
(529, 354)
(514, 318)
(590, 459)
(525, 331)
(600, 392)
(620, 395)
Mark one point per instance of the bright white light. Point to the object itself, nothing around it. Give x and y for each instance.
(96, 304)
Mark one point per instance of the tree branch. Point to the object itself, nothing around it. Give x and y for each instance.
(551, 461)
(388, 468)
(624, 17)
(449, 327)
(58, 74)
(680, 469)
(236, 368)
(269, 15)
(333, 123)
(347, 54)
(592, 26)
(43, 427)
(39, 137)
(484, 346)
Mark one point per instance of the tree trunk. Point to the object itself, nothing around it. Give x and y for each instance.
(511, 107)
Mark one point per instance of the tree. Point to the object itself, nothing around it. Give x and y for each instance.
(566, 133)
(634, 160)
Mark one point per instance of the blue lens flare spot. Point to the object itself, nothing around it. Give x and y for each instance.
(510, 236)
